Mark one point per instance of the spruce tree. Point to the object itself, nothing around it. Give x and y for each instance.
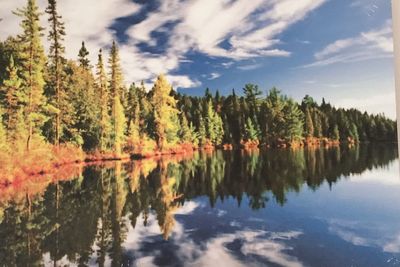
(335, 133)
(185, 133)
(13, 101)
(83, 57)
(33, 62)
(251, 132)
(104, 100)
(117, 109)
(308, 126)
(164, 112)
(56, 37)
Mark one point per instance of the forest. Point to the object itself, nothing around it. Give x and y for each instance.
(53, 108)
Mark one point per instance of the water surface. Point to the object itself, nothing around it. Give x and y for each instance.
(312, 207)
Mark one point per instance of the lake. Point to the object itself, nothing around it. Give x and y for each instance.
(305, 207)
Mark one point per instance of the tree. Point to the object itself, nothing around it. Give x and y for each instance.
(293, 127)
(252, 133)
(82, 57)
(117, 92)
(103, 100)
(13, 101)
(308, 126)
(252, 94)
(33, 61)
(185, 133)
(336, 134)
(56, 37)
(202, 132)
(164, 111)
(354, 132)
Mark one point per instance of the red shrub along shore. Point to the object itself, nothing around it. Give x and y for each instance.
(39, 161)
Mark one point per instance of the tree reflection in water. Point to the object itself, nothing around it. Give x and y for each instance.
(88, 216)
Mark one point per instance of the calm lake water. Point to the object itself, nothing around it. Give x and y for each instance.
(316, 207)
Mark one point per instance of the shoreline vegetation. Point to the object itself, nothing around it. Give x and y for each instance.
(56, 111)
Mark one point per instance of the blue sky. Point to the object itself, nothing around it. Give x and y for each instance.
(338, 49)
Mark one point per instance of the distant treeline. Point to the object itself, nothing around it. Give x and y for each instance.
(49, 99)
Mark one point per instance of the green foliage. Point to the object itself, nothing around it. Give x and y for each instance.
(103, 99)
(164, 112)
(252, 133)
(13, 102)
(117, 92)
(82, 57)
(33, 63)
(309, 125)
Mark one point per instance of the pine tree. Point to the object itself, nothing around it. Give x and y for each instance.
(185, 133)
(14, 99)
(354, 132)
(202, 132)
(57, 61)
(117, 109)
(33, 62)
(336, 134)
(82, 57)
(251, 131)
(308, 126)
(104, 100)
(116, 77)
(119, 125)
(293, 121)
(164, 112)
(317, 124)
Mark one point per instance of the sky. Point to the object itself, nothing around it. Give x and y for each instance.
(341, 50)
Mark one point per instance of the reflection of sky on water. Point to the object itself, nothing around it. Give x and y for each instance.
(354, 223)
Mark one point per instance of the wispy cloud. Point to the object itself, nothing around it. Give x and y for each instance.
(249, 67)
(214, 75)
(234, 30)
(368, 45)
(250, 29)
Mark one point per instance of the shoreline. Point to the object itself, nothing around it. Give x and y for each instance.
(53, 166)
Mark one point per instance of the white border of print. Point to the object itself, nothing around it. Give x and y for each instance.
(396, 39)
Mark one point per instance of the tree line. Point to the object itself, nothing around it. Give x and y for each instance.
(52, 99)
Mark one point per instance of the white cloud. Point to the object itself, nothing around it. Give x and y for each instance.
(247, 29)
(202, 26)
(373, 103)
(249, 67)
(368, 45)
(214, 75)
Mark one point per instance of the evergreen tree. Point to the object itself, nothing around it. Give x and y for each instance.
(202, 132)
(336, 134)
(117, 92)
(354, 132)
(104, 100)
(164, 112)
(252, 133)
(293, 121)
(185, 133)
(82, 57)
(56, 37)
(308, 126)
(13, 102)
(33, 61)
